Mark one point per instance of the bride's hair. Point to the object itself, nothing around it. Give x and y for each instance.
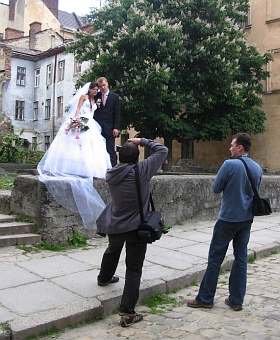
(91, 86)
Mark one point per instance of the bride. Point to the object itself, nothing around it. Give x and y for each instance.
(77, 155)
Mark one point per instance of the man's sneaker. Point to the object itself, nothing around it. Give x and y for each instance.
(234, 307)
(128, 319)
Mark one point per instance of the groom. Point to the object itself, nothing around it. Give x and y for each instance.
(107, 116)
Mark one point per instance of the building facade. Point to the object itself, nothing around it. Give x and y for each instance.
(37, 76)
(262, 31)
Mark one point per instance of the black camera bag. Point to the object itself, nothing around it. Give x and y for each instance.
(152, 224)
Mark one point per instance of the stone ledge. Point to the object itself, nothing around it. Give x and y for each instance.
(179, 198)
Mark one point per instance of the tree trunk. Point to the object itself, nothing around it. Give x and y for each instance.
(166, 166)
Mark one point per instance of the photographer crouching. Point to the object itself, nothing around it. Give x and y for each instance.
(120, 220)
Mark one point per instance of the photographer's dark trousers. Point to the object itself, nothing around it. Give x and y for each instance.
(135, 255)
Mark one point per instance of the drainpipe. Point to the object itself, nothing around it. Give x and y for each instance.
(54, 92)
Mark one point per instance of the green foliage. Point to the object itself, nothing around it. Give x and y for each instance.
(7, 183)
(21, 218)
(12, 150)
(52, 333)
(74, 240)
(167, 227)
(252, 260)
(159, 299)
(77, 239)
(5, 326)
(181, 67)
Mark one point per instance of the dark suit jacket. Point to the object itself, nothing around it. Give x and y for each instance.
(108, 116)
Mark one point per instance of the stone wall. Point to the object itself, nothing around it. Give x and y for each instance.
(178, 197)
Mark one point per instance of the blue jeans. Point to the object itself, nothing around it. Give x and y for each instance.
(224, 232)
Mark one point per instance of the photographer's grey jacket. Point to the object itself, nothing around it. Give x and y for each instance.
(122, 212)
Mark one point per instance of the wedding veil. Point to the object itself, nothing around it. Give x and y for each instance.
(74, 193)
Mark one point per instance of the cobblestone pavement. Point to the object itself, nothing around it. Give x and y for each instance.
(259, 319)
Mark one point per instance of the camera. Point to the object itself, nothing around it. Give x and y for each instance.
(118, 147)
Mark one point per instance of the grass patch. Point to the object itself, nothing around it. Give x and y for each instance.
(76, 240)
(21, 218)
(167, 227)
(252, 260)
(52, 333)
(7, 183)
(160, 303)
(5, 326)
(159, 299)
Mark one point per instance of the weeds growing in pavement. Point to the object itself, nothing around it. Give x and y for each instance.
(76, 240)
(158, 301)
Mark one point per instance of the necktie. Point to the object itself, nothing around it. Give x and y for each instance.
(104, 99)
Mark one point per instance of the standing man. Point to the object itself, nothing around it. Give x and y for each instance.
(234, 223)
(120, 220)
(107, 116)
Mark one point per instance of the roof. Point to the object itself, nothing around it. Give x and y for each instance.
(24, 53)
(69, 20)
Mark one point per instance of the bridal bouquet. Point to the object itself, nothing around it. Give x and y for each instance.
(77, 124)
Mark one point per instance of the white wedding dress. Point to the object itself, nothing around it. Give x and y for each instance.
(70, 164)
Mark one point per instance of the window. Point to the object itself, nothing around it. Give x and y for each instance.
(59, 106)
(61, 66)
(49, 74)
(77, 67)
(48, 109)
(35, 110)
(19, 111)
(273, 82)
(187, 148)
(37, 77)
(47, 142)
(21, 73)
(34, 143)
(273, 10)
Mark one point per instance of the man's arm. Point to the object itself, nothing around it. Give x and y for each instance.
(220, 180)
(155, 160)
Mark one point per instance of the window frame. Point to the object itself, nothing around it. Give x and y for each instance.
(21, 76)
(19, 109)
(35, 110)
(34, 143)
(61, 70)
(48, 109)
(47, 141)
(37, 75)
(60, 106)
(49, 74)
(77, 67)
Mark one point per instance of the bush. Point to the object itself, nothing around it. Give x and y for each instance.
(12, 150)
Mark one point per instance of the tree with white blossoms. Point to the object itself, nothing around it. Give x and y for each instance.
(181, 67)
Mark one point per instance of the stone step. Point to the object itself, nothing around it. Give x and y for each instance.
(6, 218)
(13, 233)
(19, 239)
(14, 227)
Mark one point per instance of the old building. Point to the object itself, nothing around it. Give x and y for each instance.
(37, 77)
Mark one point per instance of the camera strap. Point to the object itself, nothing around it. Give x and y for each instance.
(137, 180)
